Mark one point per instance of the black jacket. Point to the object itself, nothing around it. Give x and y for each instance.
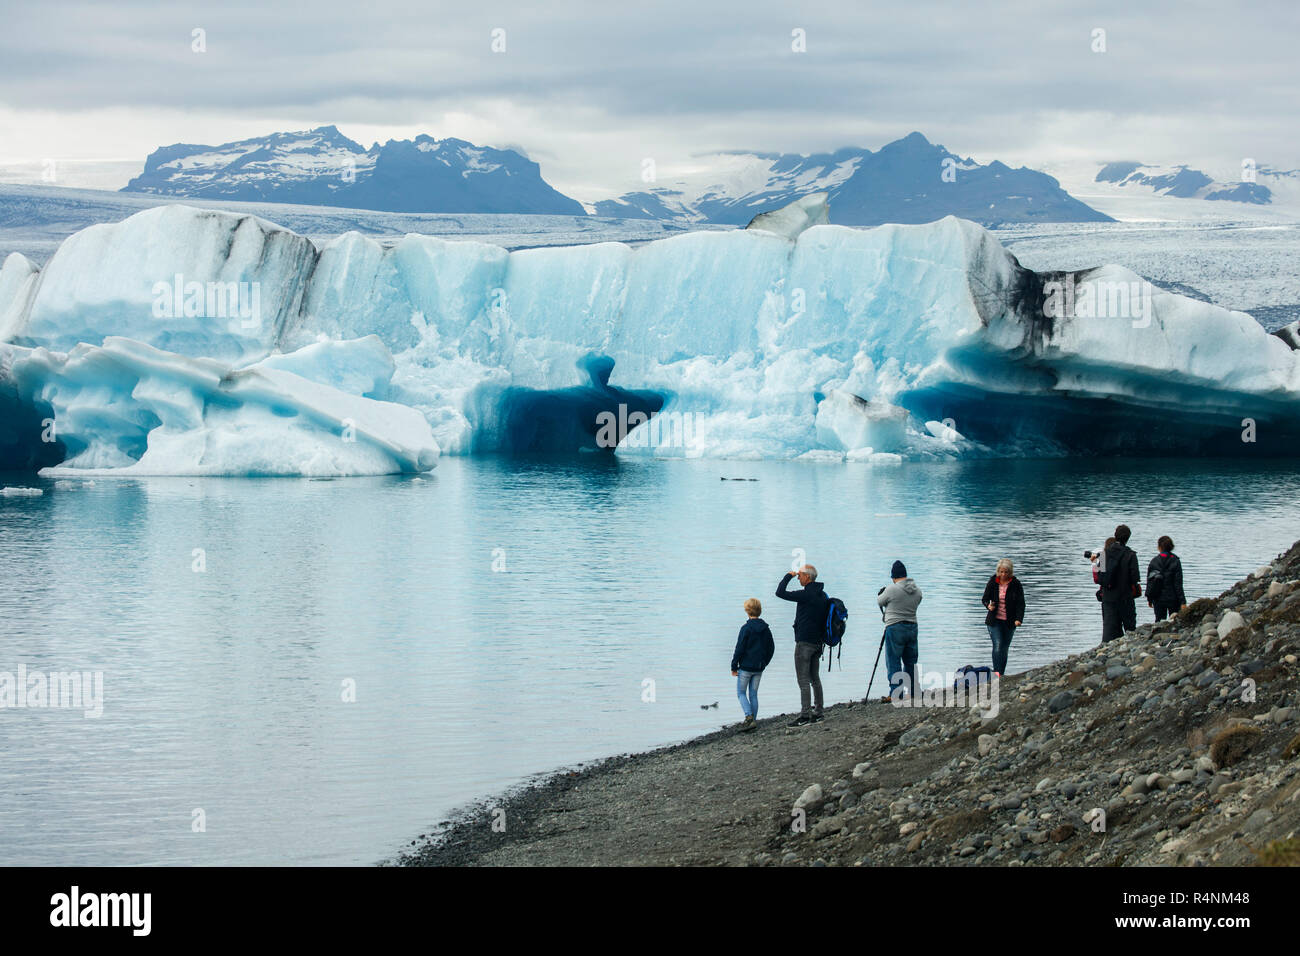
(810, 615)
(1015, 601)
(754, 647)
(1122, 562)
(1171, 584)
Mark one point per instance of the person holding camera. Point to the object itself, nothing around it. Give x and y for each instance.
(898, 602)
(1120, 587)
(1005, 599)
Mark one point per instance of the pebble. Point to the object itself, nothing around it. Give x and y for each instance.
(1220, 781)
(810, 796)
(828, 826)
(986, 744)
(917, 735)
(1258, 820)
(1137, 788)
(1060, 702)
(1229, 623)
(1157, 781)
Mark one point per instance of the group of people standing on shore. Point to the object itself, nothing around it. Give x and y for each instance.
(1114, 571)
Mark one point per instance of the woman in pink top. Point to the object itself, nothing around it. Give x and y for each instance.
(1004, 597)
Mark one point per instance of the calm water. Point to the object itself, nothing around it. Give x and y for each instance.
(223, 689)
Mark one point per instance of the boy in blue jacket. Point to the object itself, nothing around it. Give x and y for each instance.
(754, 650)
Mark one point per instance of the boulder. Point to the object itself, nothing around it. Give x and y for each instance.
(1229, 623)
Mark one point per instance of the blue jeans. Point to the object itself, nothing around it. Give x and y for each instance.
(1000, 632)
(747, 691)
(900, 655)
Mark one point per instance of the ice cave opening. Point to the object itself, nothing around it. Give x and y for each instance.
(1029, 425)
(28, 439)
(583, 418)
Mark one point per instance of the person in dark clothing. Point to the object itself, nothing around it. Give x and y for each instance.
(754, 650)
(1120, 586)
(1005, 599)
(1165, 581)
(809, 637)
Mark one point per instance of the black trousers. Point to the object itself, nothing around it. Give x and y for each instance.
(1117, 616)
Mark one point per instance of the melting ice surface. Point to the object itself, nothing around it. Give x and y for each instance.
(194, 341)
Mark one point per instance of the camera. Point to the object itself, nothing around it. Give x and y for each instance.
(1088, 555)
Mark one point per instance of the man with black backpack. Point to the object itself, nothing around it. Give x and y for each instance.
(1120, 587)
(810, 618)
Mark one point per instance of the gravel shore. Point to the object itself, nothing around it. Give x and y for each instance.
(1148, 750)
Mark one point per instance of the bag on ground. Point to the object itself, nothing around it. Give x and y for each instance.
(969, 678)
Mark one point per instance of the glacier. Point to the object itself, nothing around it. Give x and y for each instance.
(194, 341)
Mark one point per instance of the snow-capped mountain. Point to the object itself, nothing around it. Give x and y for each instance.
(1258, 185)
(910, 180)
(322, 167)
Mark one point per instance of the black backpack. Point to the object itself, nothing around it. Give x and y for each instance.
(1155, 583)
(1114, 576)
(837, 619)
(1108, 571)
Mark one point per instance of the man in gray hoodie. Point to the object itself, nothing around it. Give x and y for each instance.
(898, 602)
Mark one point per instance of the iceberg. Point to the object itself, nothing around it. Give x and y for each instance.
(191, 281)
(127, 408)
(791, 339)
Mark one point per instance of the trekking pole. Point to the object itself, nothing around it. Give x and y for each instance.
(867, 699)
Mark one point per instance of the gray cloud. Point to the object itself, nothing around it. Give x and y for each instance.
(596, 85)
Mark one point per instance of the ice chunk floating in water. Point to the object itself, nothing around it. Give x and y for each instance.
(128, 408)
(790, 339)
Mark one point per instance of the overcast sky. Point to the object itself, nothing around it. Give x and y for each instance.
(589, 90)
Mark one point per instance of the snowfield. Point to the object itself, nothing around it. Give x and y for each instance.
(195, 341)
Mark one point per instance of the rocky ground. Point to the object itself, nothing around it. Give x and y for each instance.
(1178, 744)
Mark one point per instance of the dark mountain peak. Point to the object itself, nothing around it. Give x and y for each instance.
(321, 166)
(331, 135)
(1117, 172)
(912, 144)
